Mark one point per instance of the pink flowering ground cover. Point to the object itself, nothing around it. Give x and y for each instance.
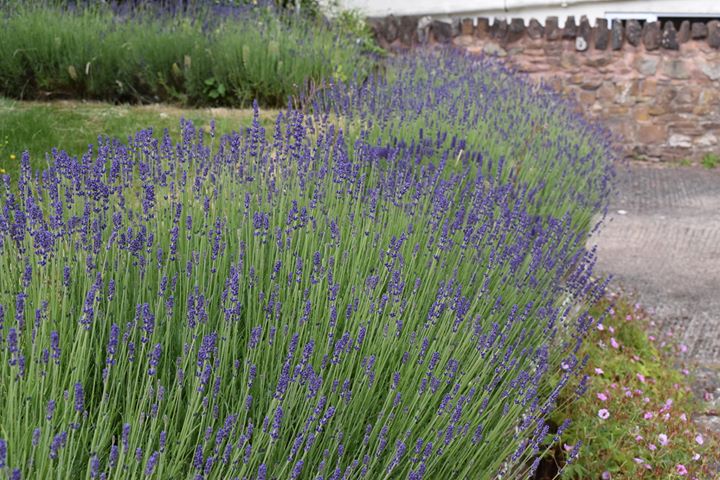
(635, 419)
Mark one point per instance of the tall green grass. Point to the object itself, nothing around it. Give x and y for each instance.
(49, 51)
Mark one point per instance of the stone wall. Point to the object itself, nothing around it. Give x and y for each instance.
(657, 87)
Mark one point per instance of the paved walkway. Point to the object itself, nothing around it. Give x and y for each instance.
(662, 242)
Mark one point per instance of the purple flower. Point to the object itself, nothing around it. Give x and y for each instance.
(79, 398)
(255, 335)
(112, 343)
(155, 359)
(198, 458)
(3, 453)
(94, 466)
(58, 442)
(12, 341)
(206, 349)
(66, 276)
(125, 435)
(148, 321)
(152, 461)
(55, 346)
(296, 470)
(50, 409)
(113, 457)
(277, 423)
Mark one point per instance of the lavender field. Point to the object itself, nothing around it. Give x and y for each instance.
(390, 284)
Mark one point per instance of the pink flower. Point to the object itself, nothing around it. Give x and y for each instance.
(680, 468)
(651, 338)
(567, 447)
(696, 457)
(628, 317)
(699, 439)
(683, 348)
(614, 343)
(641, 377)
(652, 447)
(663, 439)
(603, 413)
(638, 460)
(648, 415)
(606, 475)
(600, 327)
(602, 397)
(683, 417)
(599, 371)
(611, 329)
(638, 438)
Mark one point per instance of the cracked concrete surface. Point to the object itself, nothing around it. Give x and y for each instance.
(662, 242)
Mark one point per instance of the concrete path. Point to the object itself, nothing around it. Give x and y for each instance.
(662, 242)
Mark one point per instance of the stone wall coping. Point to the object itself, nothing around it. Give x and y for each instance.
(600, 34)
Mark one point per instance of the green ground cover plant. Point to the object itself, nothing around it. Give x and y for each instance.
(204, 54)
(353, 292)
(635, 420)
(710, 160)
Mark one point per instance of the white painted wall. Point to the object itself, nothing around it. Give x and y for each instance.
(539, 9)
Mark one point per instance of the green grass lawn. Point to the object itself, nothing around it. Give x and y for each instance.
(70, 125)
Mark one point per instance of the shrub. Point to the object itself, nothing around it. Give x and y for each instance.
(200, 55)
(486, 115)
(316, 302)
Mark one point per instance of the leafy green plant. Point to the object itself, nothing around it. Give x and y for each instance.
(710, 160)
(635, 420)
(351, 23)
(215, 90)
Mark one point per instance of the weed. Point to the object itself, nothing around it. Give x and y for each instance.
(710, 160)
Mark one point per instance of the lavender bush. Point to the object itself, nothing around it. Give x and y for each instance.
(352, 295)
